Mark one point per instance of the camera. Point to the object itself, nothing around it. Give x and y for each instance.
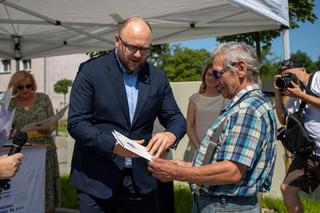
(284, 81)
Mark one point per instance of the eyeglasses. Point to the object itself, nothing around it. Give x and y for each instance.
(133, 49)
(289, 64)
(219, 73)
(21, 87)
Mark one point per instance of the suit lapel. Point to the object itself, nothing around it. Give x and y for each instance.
(144, 84)
(117, 85)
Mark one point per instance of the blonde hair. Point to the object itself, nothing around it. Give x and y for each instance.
(203, 85)
(19, 76)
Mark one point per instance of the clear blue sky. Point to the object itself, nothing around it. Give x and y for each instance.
(305, 38)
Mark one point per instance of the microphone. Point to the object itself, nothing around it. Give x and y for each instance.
(18, 141)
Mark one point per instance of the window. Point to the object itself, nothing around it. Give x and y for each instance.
(25, 64)
(5, 66)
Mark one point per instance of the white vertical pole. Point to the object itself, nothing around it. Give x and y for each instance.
(45, 74)
(286, 44)
(17, 64)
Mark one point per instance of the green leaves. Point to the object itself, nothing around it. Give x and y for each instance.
(62, 86)
(299, 11)
(182, 64)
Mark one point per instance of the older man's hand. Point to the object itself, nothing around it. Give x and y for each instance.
(166, 170)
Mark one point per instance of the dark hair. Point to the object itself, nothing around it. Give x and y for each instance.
(289, 64)
(203, 85)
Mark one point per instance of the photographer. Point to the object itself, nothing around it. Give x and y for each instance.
(304, 171)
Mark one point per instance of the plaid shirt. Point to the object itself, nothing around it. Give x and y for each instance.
(248, 137)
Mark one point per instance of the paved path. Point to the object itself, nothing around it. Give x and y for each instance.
(64, 210)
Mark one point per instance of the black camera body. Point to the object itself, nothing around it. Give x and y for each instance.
(284, 81)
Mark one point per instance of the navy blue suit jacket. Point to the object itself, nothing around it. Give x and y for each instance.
(98, 105)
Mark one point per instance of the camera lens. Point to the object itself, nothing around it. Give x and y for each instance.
(280, 83)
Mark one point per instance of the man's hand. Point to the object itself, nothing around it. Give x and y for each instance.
(164, 170)
(119, 150)
(160, 142)
(295, 91)
(9, 165)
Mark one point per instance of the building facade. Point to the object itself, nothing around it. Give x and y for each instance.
(47, 71)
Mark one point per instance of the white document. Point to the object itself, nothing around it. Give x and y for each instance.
(132, 145)
(46, 123)
(6, 117)
(5, 98)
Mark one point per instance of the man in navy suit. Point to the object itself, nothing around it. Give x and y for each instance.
(120, 91)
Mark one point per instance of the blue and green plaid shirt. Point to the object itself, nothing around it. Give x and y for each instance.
(248, 137)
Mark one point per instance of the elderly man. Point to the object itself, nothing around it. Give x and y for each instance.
(236, 158)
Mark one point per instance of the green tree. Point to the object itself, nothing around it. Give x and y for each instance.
(299, 11)
(305, 60)
(269, 64)
(158, 53)
(185, 64)
(318, 63)
(62, 86)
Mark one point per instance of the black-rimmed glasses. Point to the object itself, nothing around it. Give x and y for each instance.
(133, 49)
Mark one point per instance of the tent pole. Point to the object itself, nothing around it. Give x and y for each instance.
(17, 64)
(45, 75)
(286, 55)
(17, 49)
(286, 43)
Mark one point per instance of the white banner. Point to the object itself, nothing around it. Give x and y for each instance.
(25, 192)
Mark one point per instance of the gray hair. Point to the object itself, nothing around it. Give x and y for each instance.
(236, 51)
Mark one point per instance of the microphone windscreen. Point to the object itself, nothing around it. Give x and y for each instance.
(20, 139)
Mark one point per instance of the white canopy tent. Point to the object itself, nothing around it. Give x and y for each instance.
(39, 28)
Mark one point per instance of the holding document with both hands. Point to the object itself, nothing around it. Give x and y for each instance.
(132, 145)
(46, 123)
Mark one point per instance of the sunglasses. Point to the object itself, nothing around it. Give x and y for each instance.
(219, 73)
(21, 87)
(133, 49)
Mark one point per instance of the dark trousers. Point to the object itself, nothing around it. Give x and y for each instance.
(166, 197)
(126, 199)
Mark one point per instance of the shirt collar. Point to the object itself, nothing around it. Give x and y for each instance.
(240, 94)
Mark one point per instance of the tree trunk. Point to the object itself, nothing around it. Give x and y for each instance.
(64, 99)
(258, 47)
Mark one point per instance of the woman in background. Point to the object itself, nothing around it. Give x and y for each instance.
(32, 106)
(203, 109)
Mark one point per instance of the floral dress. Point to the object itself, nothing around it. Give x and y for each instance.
(41, 109)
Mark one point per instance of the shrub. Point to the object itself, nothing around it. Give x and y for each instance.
(68, 194)
(182, 198)
(62, 127)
